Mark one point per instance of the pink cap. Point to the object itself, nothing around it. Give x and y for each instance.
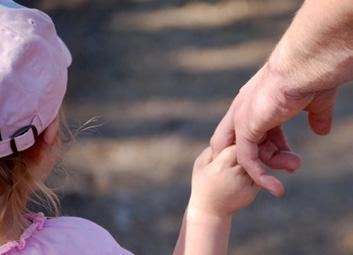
(33, 76)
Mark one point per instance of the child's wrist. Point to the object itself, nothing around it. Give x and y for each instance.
(200, 215)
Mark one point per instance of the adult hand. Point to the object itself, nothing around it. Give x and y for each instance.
(254, 121)
(303, 73)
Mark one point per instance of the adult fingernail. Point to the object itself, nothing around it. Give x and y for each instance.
(274, 186)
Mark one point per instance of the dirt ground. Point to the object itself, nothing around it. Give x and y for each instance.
(160, 74)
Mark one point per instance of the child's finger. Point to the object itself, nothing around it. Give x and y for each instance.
(224, 134)
(204, 158)
(227, 157)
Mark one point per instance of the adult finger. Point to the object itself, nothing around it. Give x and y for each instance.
(275, 158)
(321, 122)
(321, 111)
(248, 158)
(276, 152)
(276, 135)
(224, 134)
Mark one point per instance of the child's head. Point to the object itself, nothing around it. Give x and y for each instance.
(33, 78)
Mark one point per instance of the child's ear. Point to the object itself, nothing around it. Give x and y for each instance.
(51, 133)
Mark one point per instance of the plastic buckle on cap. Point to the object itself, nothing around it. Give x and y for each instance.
(20, 132)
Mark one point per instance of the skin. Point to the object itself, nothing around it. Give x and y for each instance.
(50, 152)
(41, 169)
(220, 188)
(311, 61)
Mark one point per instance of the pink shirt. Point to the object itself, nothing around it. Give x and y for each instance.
(63, 235)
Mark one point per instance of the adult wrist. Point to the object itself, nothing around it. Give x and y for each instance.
(284, 61)
(295, 73)
(316, 54)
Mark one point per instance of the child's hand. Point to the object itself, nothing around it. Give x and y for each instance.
(220, 187)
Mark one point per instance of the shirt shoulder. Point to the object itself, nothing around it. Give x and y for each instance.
(72, 235)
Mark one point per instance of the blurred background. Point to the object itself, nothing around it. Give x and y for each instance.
(160, 74)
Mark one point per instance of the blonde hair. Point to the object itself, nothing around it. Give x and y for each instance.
(19, 187)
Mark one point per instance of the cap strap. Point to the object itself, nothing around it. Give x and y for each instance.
(23, 138)
(20, 141)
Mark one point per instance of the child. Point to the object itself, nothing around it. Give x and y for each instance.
(33, 78)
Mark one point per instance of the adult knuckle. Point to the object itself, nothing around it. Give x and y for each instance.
(243, 161)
